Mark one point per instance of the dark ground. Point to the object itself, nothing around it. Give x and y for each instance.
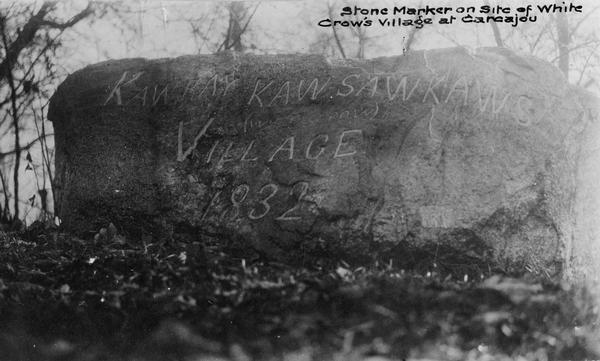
(65, 298)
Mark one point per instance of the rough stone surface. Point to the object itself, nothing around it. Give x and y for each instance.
(483, 151)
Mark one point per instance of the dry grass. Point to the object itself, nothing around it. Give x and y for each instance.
(110, 298)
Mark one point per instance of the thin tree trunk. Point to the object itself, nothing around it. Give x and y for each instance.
(360, 54)
(5, 217)
(335, 34)
(236, 14)
(411, 34)
(15, 124)
(17, 131)
(496, 31)
(562, 29)
(497, 35)
(47, 165)
(411, 38)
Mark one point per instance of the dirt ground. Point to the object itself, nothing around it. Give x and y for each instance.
(170, 298)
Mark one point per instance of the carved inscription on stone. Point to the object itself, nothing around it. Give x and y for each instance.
(254, 204)
(244, 151)
(386, 87)
(287, 153)
(365, 97)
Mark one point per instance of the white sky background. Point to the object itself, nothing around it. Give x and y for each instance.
(163, 28)
(286, 26)
(158, 29)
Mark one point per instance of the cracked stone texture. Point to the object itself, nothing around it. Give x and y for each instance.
(284, 152)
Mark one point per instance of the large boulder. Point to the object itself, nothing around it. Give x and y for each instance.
(484, 151)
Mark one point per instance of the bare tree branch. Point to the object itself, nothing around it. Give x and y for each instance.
(15, 123)
(539, 37)
(6, 209)
(412, 33)
(26, 146)
(495, 30)
(234, 31)
(578, 24)
(249, 19)
(71, 22)
(335, 34)
(30, 29)
(564, 38)
(574, 48)
(586, 64)
(497, 36)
